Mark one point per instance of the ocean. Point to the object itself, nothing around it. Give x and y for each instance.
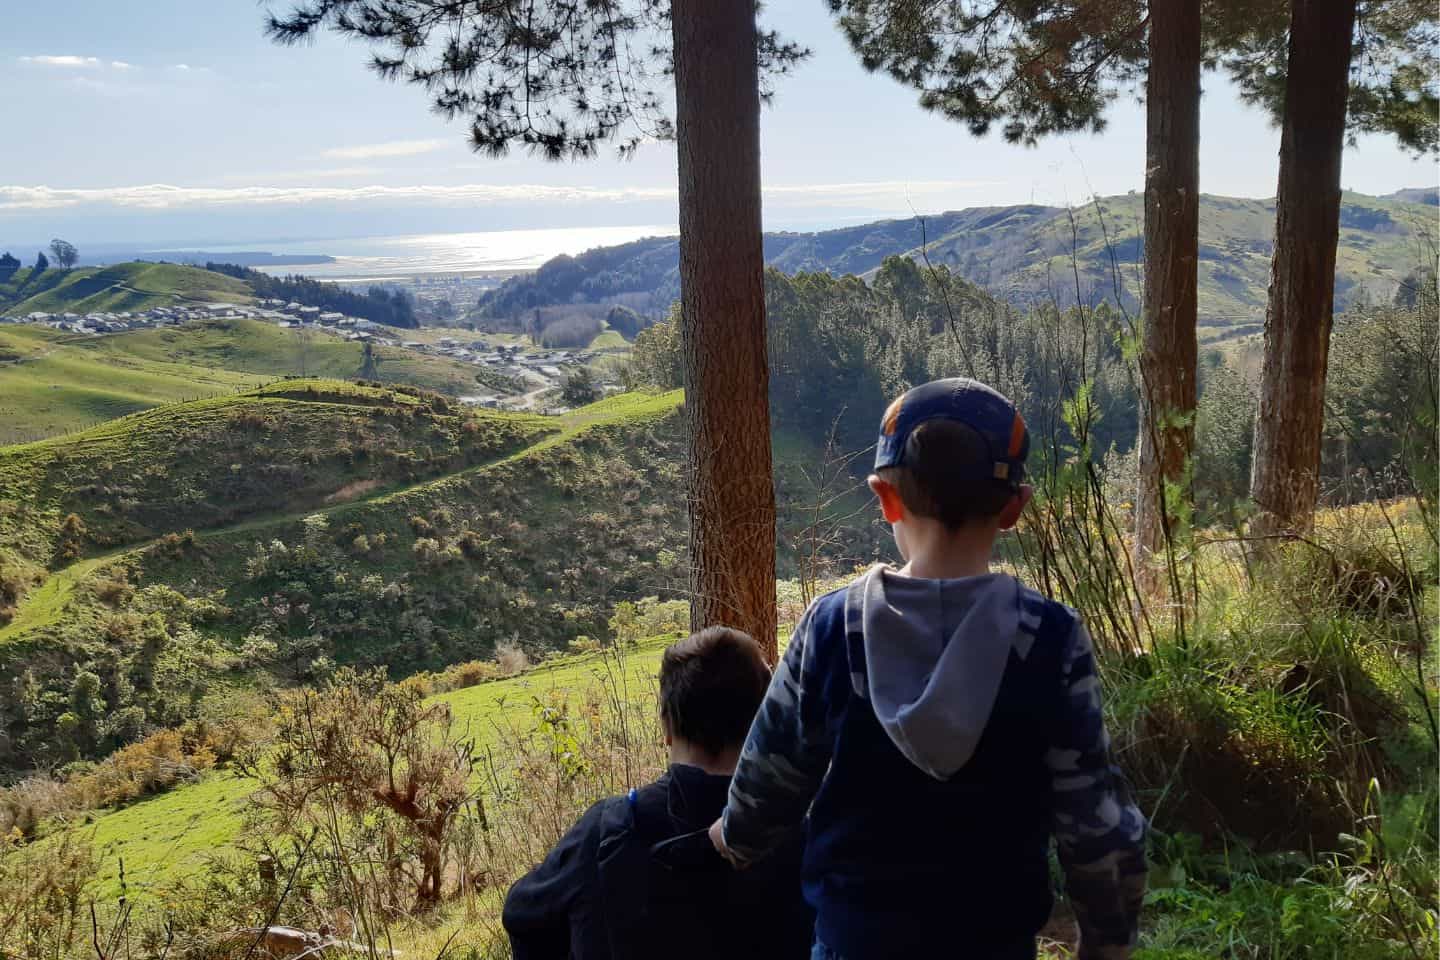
(400, 256)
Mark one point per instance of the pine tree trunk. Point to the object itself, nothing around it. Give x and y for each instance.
(1284, 479)
(732, 497)
(1172, 244)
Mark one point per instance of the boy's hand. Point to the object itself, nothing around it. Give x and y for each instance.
(717, 838)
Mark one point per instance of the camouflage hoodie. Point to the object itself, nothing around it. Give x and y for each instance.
(927, 659)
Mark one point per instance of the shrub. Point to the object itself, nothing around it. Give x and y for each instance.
(114, 590)
(44, 893)
(473, 544)
(471, 672)
(70, 542)
(176, 545)
(396, 771)
(511, 658)
(421, 527)
(427, 551)
(584, 644)
(15, 579)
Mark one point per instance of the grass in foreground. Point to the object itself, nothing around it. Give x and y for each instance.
(169, 836)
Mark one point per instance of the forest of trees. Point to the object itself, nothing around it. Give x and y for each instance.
(839, 347)
(394, 308)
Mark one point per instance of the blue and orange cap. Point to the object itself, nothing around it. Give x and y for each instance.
(981, 408)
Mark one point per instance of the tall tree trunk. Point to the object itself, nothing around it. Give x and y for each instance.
(1284, 480)
(1172, 246)
(732, 497)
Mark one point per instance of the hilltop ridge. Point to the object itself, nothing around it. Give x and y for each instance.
(1021, 253)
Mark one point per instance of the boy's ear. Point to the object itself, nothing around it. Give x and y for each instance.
(891, 506)
(1011, 514)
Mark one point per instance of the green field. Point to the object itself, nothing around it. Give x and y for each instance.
(123, 287)
(56, 383)
(169, 836)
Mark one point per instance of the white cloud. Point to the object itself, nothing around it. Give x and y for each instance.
(392, 148)
(14, 199)
(122, 65)
(182, 66)
(65, 60)
(166, 197)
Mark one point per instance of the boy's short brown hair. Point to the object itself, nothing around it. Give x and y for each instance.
(938, 476)
(711, 684)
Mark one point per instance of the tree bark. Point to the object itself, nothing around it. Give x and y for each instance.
(1172, 246)
(1284, 479)
(731, 493)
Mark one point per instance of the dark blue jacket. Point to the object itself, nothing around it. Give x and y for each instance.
(638, 878)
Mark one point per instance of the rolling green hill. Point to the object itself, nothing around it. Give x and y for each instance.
(51, 382)
(535, 529)
(1022, 253)
(285, 448)
(121, 287)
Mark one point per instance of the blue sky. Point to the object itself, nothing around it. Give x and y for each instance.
(175, 121)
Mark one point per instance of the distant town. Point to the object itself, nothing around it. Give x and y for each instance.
(535, 370)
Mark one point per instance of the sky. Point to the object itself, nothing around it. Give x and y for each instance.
(177, 122)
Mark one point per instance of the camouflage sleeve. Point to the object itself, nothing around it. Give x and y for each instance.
(784, 759)
(1099, 830)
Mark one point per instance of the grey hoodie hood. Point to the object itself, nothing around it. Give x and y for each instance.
(935, 652)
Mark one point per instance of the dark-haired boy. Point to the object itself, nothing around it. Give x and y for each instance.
(637, 876)
(938, 723)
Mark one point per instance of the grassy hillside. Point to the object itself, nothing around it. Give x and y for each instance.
(1025, 253)
(285, 448)
(253, 346)
(52, 383)
(536, 542)
(121, 287)
(1021, 253)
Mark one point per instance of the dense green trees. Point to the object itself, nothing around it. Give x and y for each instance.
(1046, 67)
(393, 308)
(841, 348)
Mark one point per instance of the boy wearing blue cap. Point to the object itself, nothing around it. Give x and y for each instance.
(939, 722)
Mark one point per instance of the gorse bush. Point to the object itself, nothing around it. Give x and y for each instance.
(45, 898)
(162, 760)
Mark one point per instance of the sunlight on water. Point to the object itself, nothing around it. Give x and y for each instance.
(451, 252)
